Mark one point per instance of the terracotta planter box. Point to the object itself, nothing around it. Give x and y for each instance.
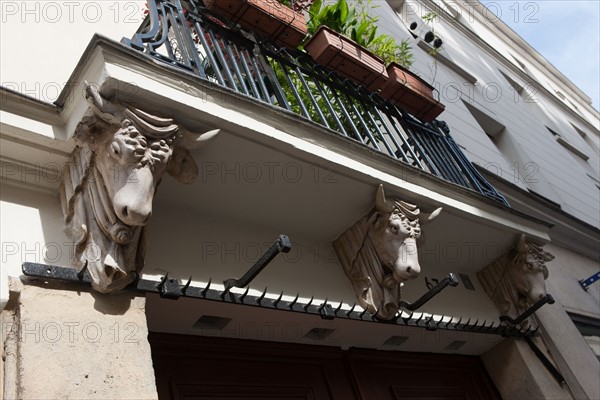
(267, 18)
(344, 56)
(412, 93)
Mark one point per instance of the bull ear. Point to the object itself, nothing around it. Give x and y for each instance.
(522, 247)
(182, 166)
(199, 140)
(427, 217)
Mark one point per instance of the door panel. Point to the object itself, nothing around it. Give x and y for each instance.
(399, 375)
(195, 367)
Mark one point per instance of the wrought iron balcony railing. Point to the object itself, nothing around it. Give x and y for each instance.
(216, 50)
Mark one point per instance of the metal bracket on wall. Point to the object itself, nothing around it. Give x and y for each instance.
(169, 288)
(282, 245)
(451, 280)
(548, 299)
(586, 283)
(542, 357)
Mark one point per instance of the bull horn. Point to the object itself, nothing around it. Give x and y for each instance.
(427, 217)
(102, 108)
(522, 246)
(381, 203)
(199, 140)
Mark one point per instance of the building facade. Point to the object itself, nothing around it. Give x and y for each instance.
(204, 214)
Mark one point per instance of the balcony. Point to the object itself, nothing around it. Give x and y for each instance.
(301, 152)
(191, 39)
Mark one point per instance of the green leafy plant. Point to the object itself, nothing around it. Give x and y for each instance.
(436, 41)
(429, 18)
(359, 26)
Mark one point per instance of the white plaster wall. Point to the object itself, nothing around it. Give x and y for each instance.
(42, 41)
(566, 270)
(31, 231)
(544, 165)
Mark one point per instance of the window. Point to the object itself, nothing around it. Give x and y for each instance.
(572, 149)
(524, 171)
(588, 139)
(578, 155)
(526, 91)
(590, 330)
(496, 132)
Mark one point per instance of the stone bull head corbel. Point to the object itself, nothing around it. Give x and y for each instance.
(379, 253)
(516, 280)
(109, 184)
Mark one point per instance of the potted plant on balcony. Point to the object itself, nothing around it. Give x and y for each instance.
(410, 91)
(346, 40)
(273, 19)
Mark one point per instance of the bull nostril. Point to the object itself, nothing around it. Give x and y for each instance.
(125, 212)
(408, 270)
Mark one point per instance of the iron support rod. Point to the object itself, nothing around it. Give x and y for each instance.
(548, 299)
(542, 357)
(451, 280)
(55, 272)
(281, 245)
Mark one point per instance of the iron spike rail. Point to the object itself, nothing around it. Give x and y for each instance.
(171, 288)
(216, 50)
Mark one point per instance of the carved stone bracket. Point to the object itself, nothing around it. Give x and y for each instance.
(108, 186)
(379, 253)
(516, 281)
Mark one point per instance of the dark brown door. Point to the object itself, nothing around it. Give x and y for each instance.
(194, 367)
(394, 375)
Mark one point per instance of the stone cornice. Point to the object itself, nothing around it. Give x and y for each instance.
(27, 106)
(162, 88)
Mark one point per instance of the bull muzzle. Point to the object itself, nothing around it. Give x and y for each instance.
(133, 201)
(407, 264)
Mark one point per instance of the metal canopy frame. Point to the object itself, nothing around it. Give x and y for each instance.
(171, 288)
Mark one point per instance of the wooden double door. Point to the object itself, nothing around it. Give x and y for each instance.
(194, 367)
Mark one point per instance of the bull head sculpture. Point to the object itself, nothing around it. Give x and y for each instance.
(528, 271)
(108, 188)
(516, 280)
(395, 228)
(379, 253)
